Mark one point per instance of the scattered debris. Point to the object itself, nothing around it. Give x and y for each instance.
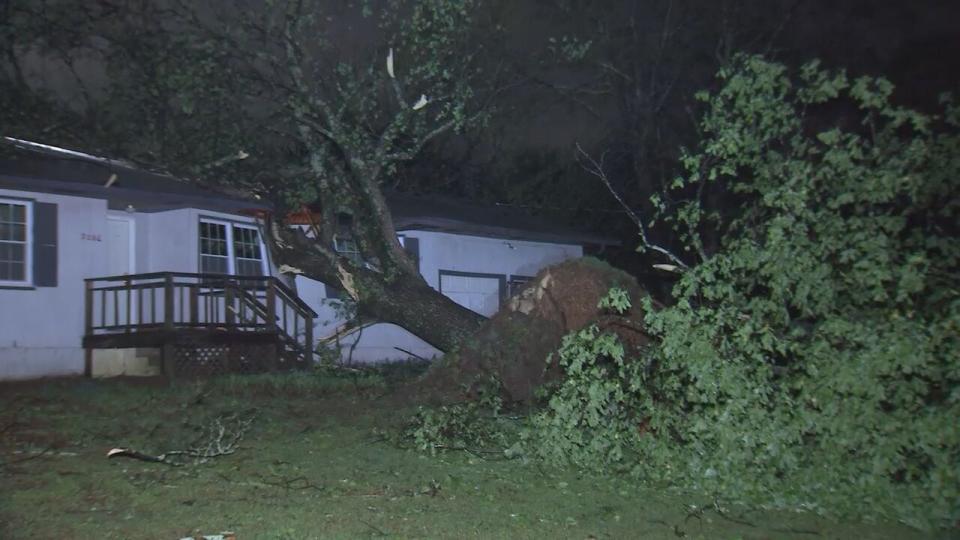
(221, 437)
(221, 536)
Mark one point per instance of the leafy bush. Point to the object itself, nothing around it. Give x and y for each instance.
(475, 426)
(812, 359)
(591, 418)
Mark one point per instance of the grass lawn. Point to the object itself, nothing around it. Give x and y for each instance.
(311, 466)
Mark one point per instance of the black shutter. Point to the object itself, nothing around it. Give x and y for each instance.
(412, 247)
(44, 244)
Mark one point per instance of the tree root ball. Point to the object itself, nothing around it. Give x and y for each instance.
(512, 347)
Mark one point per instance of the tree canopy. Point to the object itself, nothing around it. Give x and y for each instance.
(811, 360)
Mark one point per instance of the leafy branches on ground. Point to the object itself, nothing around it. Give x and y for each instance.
(219, 437)
(478, 426)
(591, 417)
(811, 361)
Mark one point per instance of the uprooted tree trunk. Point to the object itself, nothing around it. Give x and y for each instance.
(351, 146)
(512, 347)
(266, 89)
(396, 294)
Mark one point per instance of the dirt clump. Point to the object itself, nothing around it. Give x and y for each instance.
(513, 346)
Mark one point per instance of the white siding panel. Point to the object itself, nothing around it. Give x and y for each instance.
(41, 329)
(480, 294)
(450, 252)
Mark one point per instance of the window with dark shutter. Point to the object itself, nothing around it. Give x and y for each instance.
(45, 245)
(28, 243)
(15, 242)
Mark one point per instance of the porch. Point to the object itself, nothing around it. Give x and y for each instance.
(202, 324)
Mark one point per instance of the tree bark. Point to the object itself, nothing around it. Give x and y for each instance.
(403, 297)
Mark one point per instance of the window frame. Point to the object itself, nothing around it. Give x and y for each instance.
(231, 249)
(28, 244)
(340, 244)
(515, 282)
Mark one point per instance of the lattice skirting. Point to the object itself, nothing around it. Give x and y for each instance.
(206, 359)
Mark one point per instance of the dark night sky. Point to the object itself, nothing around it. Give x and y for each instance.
(914, 43)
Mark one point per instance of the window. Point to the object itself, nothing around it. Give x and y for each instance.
(15, 242)
(346, 246)
(516, 283)
(230, 248)
(246, 247)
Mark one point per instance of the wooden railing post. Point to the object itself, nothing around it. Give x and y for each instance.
(271, 316)
(88, 309)
(168, 302)
(128, 307)
(308, 339)
(229, 316)
(194, 307)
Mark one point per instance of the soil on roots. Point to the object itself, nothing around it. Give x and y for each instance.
(513, 346)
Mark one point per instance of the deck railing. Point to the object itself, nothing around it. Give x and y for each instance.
(177, 300)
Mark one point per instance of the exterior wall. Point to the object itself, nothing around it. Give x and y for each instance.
(41, 328)
(438, 252)
(169, 241)
(460, 253)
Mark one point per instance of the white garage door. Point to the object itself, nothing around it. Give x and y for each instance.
(480, 294)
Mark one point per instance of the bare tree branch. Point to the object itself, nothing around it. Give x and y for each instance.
(596, 169)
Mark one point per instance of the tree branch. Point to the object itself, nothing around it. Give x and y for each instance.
(596, 169)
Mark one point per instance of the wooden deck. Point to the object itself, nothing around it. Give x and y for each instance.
(204, 324)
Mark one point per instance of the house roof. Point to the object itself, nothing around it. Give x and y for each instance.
(445, 214)
(49, 169)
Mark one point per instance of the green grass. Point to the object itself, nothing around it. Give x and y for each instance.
(311, 467)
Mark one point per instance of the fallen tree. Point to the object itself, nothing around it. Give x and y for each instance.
(273, 100)
(512, 348)
(810, 361)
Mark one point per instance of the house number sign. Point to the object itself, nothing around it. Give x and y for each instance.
(90, 237)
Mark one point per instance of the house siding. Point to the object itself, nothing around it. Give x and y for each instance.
(41, 328)
(439, 251)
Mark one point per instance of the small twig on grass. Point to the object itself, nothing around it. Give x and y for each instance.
(375, 528)
(221, 437)
(15, 421)
(297, 483)
(476, 453)
(796, 531)
(31, 457)
(722, 513)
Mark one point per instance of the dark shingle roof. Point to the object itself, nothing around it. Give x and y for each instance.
(42, 168)
(445, 214)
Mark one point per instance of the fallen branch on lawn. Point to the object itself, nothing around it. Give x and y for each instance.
(221, 437)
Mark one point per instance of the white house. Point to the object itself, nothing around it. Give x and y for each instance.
(66, 217)
(101, 263)
(476, 254)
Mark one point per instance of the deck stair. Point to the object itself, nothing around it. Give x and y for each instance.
(203, 324)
